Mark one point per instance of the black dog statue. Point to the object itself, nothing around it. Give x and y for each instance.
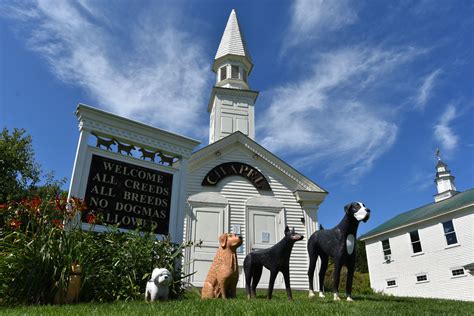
(338, 243)
(276, 259)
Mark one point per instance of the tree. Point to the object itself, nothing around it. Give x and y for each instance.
(19, 171)
(361, 257)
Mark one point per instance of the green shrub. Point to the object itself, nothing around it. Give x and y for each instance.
(116, 266)
(36, 254)
(360, 282)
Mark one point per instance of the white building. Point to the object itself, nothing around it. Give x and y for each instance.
(428, 251)
(236, 185)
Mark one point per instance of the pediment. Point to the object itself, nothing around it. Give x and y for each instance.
(257, 152)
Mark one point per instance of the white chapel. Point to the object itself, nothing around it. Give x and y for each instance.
(236, 185)
(427, 251)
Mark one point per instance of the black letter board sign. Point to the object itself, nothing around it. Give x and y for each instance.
(128, 194)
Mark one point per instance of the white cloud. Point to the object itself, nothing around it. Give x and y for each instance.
(425, 90)
(311, 18)
(443, 132)
(421, 180)
(336, 115)
(158, 75)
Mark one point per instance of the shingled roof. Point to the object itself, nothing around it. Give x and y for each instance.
(233, 42)
(423, 213)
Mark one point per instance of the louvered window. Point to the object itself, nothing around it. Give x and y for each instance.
(223, 73)
(235, 72)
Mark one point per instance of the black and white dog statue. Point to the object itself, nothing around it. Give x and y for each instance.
(275, 259)
(338, 243)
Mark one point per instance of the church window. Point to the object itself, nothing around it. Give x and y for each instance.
(415, 241)
(235, 72)
(223, 73)
(245, 76)
(457, 272)
(391, 283)
(387, 252)
(422, 278)
(449, 233)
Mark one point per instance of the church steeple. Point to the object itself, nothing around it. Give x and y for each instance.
(444, 181)
(232, 63)
(231, 105)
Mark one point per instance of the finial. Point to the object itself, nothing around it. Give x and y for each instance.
(437, 154)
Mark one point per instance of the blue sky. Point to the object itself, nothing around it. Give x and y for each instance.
(357, 95)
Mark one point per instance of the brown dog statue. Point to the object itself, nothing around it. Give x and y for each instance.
(223, 275)
(71, 295)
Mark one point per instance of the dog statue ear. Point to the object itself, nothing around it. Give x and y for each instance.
(223, 240)
(287, 229)
(347, 208)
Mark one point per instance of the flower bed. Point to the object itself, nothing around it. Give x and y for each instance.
(38, 248)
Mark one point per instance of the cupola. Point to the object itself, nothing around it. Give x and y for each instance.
(444, 181)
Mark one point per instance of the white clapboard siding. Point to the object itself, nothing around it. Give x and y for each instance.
(238, 190)
(437, 259)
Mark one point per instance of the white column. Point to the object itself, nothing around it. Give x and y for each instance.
(79, 162)
(181, 206)
(311, 218)
(77, 172)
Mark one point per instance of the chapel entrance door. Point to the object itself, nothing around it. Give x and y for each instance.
(208, 224)
(264, 231)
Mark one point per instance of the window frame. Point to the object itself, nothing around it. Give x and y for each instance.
(414, 242)
(463, 274)
(232, 68)
(387, 252)
(387, 285)
(223, 73)
(450, 233)
(420, 275)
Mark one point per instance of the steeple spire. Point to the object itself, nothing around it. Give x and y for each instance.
(231, 105)
(444, 180)
(233, 43)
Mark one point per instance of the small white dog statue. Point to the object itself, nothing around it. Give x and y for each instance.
(157, 288)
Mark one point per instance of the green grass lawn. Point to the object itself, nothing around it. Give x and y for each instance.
(279, 305)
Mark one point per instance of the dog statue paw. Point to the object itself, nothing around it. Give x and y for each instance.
(311, 294)
(349, 299)
(157, 288)
(336, 297)
(321, 295)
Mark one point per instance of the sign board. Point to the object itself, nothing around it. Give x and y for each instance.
(130, 195)
(236, 169)
(135, 175)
